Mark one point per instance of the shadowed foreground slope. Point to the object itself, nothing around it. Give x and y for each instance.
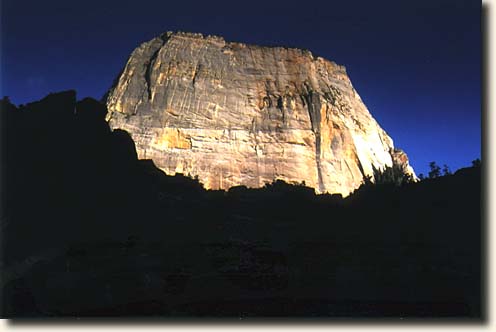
(89, 230)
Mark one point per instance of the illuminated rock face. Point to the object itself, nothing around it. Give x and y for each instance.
(236, 114)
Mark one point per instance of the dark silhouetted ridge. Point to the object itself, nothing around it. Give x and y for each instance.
(90, 230)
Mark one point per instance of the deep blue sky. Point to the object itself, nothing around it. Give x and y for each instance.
(416, 64)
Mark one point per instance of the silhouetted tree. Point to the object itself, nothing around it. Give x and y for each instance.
(446, 170)
(476, 163)
(435, 171)
(421, 176)
(392, 175)
(367, 180)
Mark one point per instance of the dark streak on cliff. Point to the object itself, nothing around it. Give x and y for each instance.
(314, 105)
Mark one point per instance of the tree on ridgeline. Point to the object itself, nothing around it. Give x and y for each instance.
(435, 171)
(446, 170)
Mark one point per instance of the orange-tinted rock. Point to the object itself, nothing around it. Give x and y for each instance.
(236, 114)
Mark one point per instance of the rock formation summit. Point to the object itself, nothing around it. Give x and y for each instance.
(237, 114)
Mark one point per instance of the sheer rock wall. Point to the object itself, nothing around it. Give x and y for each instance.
(236, 114)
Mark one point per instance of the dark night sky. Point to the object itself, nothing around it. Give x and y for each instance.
(416, 64)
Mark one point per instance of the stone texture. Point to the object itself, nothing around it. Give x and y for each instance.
(237, 114)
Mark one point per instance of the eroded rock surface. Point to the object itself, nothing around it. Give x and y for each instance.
(237, 114)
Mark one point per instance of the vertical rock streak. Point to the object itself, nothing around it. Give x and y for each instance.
(314, 106)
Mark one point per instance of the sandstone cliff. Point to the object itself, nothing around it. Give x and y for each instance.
(236, 114)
